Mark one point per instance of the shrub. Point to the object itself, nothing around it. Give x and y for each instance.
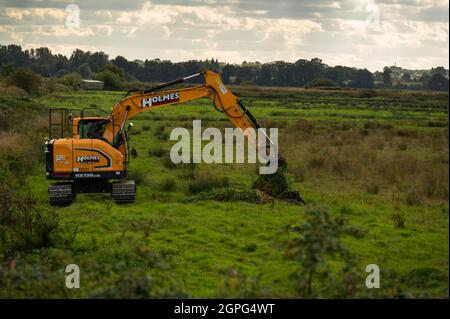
(26, 79)
(13, 91)
(111, 80)
(317, 244)
(23, 226)
(399, 220)
(70, 79)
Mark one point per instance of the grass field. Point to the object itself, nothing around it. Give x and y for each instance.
(377, 162)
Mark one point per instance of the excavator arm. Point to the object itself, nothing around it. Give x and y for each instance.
(144, 100)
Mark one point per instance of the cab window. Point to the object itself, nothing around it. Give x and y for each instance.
(92, 128)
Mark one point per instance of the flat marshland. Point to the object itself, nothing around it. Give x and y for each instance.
(375, 163)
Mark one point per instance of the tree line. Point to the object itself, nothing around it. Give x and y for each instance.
(98, 65)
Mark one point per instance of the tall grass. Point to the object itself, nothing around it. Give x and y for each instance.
(383, 159)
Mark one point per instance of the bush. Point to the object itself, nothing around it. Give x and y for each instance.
(318, 244)
(399, 220)
(26, 79)
(13, 91)
(70, 79)
(23, 226)
(111, 80)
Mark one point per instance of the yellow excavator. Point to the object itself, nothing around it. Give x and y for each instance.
(91, 154)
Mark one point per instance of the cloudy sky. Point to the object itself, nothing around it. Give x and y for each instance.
(360, 33)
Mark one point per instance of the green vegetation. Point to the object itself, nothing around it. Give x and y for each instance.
(372, 166)
(120, 73)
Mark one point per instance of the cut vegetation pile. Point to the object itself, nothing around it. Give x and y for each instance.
(277, 186)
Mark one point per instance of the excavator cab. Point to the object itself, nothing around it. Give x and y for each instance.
(83, 160)
(91, 127)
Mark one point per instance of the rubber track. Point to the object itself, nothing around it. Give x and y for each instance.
(60, 194)
(124, 192)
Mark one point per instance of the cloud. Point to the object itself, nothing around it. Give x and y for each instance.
(339, 32)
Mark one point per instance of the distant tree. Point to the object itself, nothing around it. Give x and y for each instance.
(6, 69)
(305, 71)
(265, 76)
(120, 61)
(97, 60)
(247, 74)
(77, 58)
(228, 73)
(114, 69)
(362, 79)
(61, 62)
(43, 61)
(14, 54)
(387, 77)
(26, 79)
(340, 74)
(406, 76)
(439, 70)
(111, 80)
(438, 83)
(85, 71)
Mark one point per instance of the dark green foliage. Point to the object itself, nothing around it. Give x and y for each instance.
(272, 184)
(26, 79)
(438, 83)
(70, 79)
(6, 69)
(277, 73)
(318, 243)
(399, 220)
(111, 80)
(85, 71)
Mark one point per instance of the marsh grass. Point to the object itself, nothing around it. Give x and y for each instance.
(343, 150)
